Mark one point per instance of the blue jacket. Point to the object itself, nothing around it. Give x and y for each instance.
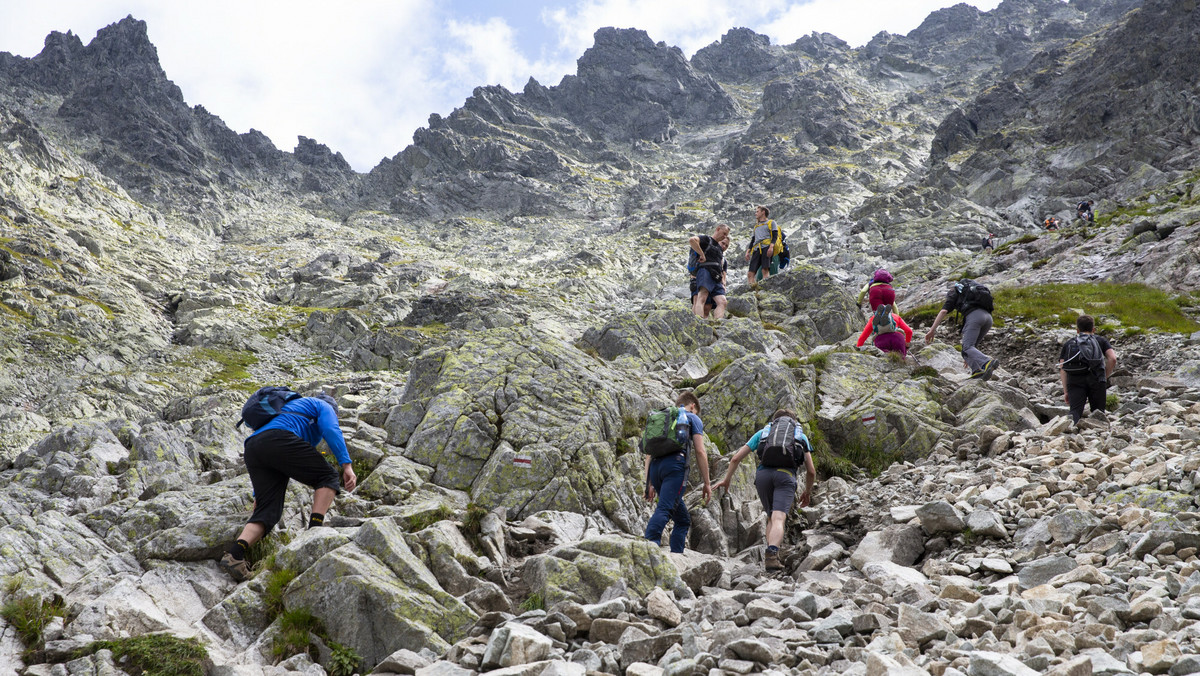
(316, 420)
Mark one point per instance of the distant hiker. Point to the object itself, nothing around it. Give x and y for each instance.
(973, 301)
(782, 449)
(669, 436)
(989, 242)
(287, 427)
(880, 291)
(1051, 223)
(1085, 364)
(886, 326)
(1084, 211)
(765, 245)
(706, 262)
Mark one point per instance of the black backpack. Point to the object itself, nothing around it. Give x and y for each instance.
(262, 406)
(780, 448)
(973, 296)
(1085, 356)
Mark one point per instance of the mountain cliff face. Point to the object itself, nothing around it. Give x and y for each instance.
(496, 307)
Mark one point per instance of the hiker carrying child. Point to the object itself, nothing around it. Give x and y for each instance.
(891, 333)
(707, 265)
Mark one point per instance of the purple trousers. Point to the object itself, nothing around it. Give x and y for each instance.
(892, 342)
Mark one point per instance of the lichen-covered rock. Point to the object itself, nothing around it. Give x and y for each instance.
(658, 335)
(581, 572)
(873, 408)
(524, 420)
(376, 597)
(740, 401)
(809, 300)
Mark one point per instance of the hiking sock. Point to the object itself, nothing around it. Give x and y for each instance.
(316, 520)
(238, 550)
(772, 549)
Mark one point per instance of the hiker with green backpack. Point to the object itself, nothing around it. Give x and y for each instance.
(287, 428)
(782, 450)
(973, 302)
(670, 435)
(886, 326)
(1084, 366)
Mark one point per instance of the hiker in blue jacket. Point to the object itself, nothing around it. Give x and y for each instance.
(285, 449)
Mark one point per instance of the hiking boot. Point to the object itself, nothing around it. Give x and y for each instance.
(772, 562)
(988, 369)
(239, 570)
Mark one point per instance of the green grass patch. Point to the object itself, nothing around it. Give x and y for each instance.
(1132, 305)
(791, 362)
(632, 426)
(922, 315)
(29, 616)
(423, 520)
(535, 601)
(154, 655)
(277, 584)
(871, 460)
(718, 368)
(925, 372)
(818, 360)
(1112, 401)
(1007, 247)
(1041, 262)
(231, 369)
(770, 326)
(295, 627)
(687, 383)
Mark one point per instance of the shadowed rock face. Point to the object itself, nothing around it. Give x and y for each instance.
(498, 306)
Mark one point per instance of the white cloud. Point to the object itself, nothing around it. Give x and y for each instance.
(362, 76)
(855, 21)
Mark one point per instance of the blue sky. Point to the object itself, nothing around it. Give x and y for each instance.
(362, 76)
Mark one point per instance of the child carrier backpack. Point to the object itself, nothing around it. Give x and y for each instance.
(780, 448)
(972, 295)
(262, 406)
(1084, 356)
(882, 322)
(666, 432)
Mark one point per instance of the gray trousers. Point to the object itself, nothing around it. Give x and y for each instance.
(975, 327)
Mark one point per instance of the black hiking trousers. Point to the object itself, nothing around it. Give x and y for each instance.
(1084, 390)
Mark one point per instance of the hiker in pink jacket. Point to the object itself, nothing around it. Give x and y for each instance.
(891, 339)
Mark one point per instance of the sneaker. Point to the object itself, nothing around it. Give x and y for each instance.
(772, 562)
(239, 570)
(989, 369)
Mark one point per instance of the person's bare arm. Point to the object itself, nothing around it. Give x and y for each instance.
(734, 460)
(702, 462)
(1062, 377)
(646, 475)
(1110, 362)
(810, 477)
(694, 242)
(936, 323)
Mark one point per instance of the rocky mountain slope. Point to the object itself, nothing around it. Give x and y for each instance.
(497, 306)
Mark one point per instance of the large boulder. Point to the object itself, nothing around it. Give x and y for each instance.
(740, 400)
(658, 335)
(581, 572)
(375, 596)
(807, 300)
(872, 411)
(525, 420)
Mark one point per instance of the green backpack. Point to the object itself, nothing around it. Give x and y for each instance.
(666, 432)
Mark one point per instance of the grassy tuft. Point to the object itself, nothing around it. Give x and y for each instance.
(535, 601)
(718, 367)
(925, 372)
(295, 626)
(818, 360)
(423, 520)
(277, 584)
(154, 655)
(791, 362)
(29, 616)
(1112, 401)
(472, 523)
(923, 315)
(1007, 247)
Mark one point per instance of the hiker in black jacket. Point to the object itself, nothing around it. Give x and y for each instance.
(1084, 368)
